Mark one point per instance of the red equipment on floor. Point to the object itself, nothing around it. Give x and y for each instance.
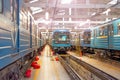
(36, 58)
(56, 58)
(36, 66)
(28, 73)
(33, 63)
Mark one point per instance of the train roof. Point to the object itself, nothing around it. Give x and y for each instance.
(106, 23)
(61, 30)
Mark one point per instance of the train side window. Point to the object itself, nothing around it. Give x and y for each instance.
(1, 6)
(28, 23)
(94, 33)
(118, 28)
(13, 10)
(103, 31)
(111, 29)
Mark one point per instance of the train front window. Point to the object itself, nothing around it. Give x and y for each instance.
(1, 6)
(61, 37)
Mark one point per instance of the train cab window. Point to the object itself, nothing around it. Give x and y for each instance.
(1, 6)
(118, 28)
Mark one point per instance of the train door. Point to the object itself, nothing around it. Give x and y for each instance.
(94, 39)
(111, 34)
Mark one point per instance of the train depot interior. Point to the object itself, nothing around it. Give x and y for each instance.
(59, 39)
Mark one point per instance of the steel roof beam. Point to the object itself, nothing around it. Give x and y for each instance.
(43, 5)
(70, 21)
(78, 16)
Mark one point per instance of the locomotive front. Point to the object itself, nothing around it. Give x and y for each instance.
(61, 41)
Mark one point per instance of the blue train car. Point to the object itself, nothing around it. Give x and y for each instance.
(100, 37)
(19, 40)
(105, 39)
(114, 37)
(61, 40)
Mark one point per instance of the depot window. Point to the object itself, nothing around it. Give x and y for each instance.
(1, 6)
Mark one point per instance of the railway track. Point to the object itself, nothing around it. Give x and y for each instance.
(75, 67)
(69, 69)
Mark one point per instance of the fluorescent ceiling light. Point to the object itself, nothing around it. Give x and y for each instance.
(66, 1)
(33, 1)
(93, 14)
(70, 11)
(36, 10)
(46, 15)
(113, 2)
(70, 19)
(114, 18)
(107, 11)
(63, 13)
(83, 23)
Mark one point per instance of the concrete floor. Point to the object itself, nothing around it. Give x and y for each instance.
(50, 69)
(107, 68)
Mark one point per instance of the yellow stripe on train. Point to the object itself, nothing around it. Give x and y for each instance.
(102, 37)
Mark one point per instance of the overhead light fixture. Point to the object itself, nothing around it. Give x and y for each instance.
(66, 1)
(70, 13)
(114, 18)
(38, 11)
(70, 19)
(33, 1)
(113, 2)
(107, 11)
(93, 14)
(84, 22)
(35, 8)
(88, 20)
(62, 13)
(46, 15)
